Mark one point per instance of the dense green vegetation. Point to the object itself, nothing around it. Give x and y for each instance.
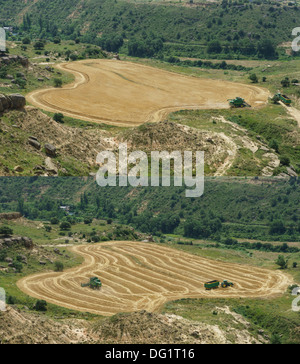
(245, 209)
(147, 30)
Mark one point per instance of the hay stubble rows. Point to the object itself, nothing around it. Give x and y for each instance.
(140, 276)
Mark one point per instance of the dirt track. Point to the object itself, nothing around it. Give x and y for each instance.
(129, 94)
(139, 276)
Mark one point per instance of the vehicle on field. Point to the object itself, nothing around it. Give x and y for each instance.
(212, 285)
(216, 284)
(94, 283)
(238, 102)
(283, 98)
(226, 284)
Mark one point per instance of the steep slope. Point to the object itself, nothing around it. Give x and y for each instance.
(17, 327)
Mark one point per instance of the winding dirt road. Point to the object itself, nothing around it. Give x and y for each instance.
(130, 94)
(141, 276)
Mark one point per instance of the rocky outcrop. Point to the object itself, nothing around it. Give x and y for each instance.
(10, 59)
(16, 241)
(12, 102)
(50, 150)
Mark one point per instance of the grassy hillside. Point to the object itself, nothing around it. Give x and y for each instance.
(230, 208)
(149, 29)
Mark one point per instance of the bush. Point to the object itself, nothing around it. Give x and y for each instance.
(285, 161)
(274, 145)
(26, 40)
(96, 239)
(54, 221)
(65, 225)
(59, 118)
(253, 78)
(3, 255)
(285, 82)
(18, 266)
(39, 45)
(11, 300)
(41, 305)
(57, 82)
(283, 264)
(58, 267)
(6, 231)
(88, 220)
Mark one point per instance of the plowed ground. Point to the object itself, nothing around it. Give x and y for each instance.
(139, 276)
(129, 94)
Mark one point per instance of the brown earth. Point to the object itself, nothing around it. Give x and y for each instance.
(130, 94)
(84, 144)
(17, 327)
(142, 276)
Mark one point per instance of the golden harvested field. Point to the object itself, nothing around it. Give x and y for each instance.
(142, 276)
(128, 94)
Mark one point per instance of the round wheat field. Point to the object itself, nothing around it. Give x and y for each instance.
(142, 276)
(129, 94)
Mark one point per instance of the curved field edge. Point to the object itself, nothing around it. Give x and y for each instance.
(154, 113)
(139, 276)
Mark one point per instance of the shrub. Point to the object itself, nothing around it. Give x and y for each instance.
(11, 300)
(18, 266)
(283, 264)
(57, 82)
(54, 221)
(58, 267)
(253, 78)
(41, 305)
(59, 118)
(65, 225)
(285, 82)
(26, 40)
(6, 231)
(285, 161)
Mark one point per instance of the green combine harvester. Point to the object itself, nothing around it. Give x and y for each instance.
(216, 284)
(94, 283)
(286, 100)
(238, 102)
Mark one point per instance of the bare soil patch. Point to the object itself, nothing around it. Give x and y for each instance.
(129, 94)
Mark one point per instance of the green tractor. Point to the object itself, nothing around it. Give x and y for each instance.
(94, 283)
(226, 284)
(238, 102)
(283, 98)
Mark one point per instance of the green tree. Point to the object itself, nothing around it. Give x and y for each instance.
(58, 266)
(54, 221)
(39, 45)
(18, 266)
(41, 305)
(253, 78)
(59, 118)
(285, 82)
(282, 262)
(65, 225)
(57, 82)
